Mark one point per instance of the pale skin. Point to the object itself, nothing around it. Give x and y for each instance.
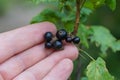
(23, 56)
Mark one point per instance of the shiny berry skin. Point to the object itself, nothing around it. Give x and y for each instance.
(48, 36)
(68, 39)
(57, 44)
(61, 34)
(76, 40)
(48, 45)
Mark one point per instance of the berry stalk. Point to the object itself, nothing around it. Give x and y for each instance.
(78, 3)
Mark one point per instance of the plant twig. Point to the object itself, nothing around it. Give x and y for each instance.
(86, 54)
(78, 2)
(82, 3)
(80, 55)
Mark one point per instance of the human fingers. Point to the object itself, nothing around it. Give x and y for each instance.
(61, 71)
(18, 40)
(41, 69)
(17, 64)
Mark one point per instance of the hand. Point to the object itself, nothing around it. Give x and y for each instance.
(23, 56)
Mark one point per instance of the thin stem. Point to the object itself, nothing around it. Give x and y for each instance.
(82, 3)
(82, 56)
(78, 2)
(86, 54)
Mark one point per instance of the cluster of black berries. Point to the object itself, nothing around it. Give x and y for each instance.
(56, 42)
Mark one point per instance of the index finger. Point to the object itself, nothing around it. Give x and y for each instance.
(18, 40)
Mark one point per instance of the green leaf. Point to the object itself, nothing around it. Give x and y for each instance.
(111, 4)
(97, 70)
(47, 15)
(102, 37)
(68, 20)
(83, 33)
(88, 4)
(84, 78)
(84, 13)
(39, 1)
(69, 25)
(93, 4)
(98, 3)
(68, 17)
(116, 46)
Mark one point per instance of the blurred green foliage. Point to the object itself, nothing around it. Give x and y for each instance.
(98, 68)
(102, 16)
(100, 35)
(3, 6)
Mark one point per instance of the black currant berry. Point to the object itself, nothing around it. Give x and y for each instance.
(61, 34)
(57, 44)
(48, 36)
(76, 40)
(68, 39)
(48, 45)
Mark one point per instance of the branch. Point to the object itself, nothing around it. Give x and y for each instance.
(82, 3)
(78, 2)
